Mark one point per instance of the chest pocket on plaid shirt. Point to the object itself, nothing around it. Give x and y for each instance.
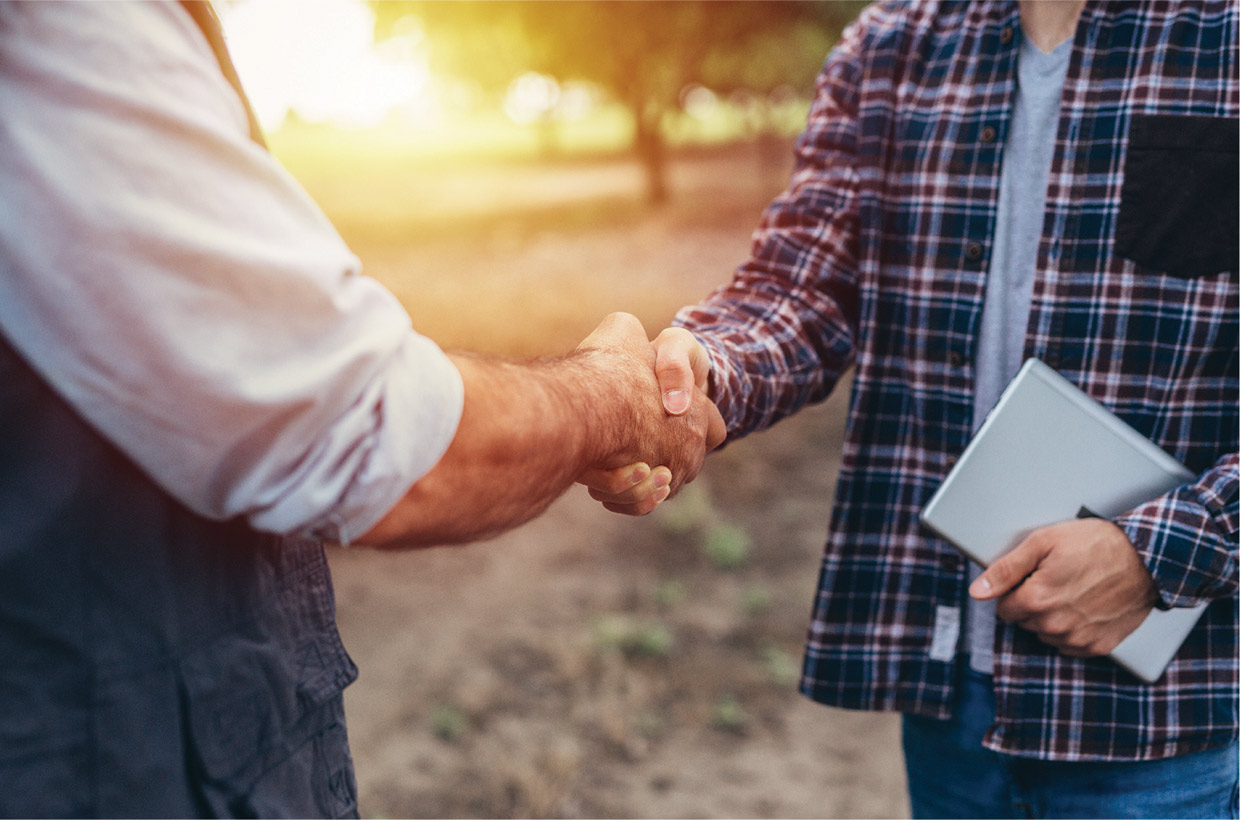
(1179, 205)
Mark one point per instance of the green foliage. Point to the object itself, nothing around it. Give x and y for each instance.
(687, 510)
(448, 723)
(642, 53)
(632, 636)
(670, 593)
(781, 668)
(755, 600)
(727, 545)
(729, 715)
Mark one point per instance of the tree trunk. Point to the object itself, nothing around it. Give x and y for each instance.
(652, 151)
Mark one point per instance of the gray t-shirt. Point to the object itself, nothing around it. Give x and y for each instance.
(1009, 287)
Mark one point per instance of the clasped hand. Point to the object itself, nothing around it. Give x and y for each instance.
(1080, 585)
(680, 424)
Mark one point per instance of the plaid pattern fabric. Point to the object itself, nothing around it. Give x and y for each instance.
(875, 257)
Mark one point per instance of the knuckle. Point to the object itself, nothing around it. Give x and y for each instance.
(1076, 644)
(667, 365)
(671, 335)
(1055, 624)
(1035, 598)
(1042, 538)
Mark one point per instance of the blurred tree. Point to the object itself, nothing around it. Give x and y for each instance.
(644, 52)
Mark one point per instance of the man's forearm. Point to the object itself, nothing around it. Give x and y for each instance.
(529, 429)
(523, 437)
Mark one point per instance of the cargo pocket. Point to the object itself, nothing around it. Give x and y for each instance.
(1179, 204)
(265, 723)
(258, 747)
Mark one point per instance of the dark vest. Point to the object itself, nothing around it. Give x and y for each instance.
(153, 662)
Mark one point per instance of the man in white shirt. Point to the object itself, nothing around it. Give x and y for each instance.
(200, 386)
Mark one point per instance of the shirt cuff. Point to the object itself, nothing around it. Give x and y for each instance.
(416, 419)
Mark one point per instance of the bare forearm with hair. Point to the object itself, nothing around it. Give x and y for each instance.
(529, 429)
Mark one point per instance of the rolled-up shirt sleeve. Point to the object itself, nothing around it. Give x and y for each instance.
(185, 296)
(1188, 537)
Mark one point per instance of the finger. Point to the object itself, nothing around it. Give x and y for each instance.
(1093, 649)
(1074, 653)
(1028, 606)
(643, 507)
(658, 479)
(716, 429)
(1079, 645)
(617, 480)
(681, 364)
(1009, 571)
(1051, 627)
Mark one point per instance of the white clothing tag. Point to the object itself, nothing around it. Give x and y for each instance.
(946, 633)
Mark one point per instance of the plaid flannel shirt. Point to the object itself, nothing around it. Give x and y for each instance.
(876, 257)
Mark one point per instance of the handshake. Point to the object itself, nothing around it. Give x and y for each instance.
(628, 418)
(673, 439)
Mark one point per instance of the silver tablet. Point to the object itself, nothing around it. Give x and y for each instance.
(1047, 453)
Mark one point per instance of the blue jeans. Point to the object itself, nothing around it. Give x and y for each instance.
(950, 774)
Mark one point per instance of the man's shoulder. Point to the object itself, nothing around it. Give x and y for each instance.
(900, 25)
(904, 12)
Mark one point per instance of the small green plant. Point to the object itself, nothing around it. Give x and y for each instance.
(688, 509)
(727, 546)
(755, 600)
(781, 667)
(729, 715)
(632, 636)
(448, 723)
(670, 593)
(652, 639)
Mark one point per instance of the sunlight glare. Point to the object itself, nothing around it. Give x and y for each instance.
(699, 102)
(531, 97)
(319, 60)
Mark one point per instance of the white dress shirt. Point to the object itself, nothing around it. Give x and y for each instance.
(178, 288)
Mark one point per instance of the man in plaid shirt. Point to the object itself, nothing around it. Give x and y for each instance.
(980, 183)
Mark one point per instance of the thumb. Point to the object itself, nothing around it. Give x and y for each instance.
(1009, 571)
(681, 364)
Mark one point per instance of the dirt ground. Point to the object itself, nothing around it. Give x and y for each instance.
(589, 665)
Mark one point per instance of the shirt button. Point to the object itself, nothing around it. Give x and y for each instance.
(988, 134)
(955, 358)
(1006, 35)
(973, 251)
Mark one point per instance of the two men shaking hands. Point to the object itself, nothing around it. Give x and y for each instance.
(628, 418)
